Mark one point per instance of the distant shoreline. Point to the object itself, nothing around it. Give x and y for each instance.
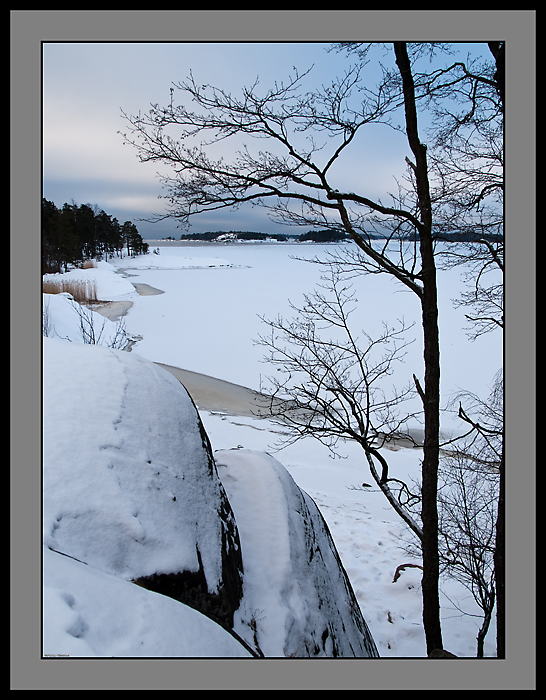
(160, 243)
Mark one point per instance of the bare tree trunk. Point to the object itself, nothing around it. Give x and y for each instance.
(482, 634)
(429, 305)
(429, 512)
(499, 564)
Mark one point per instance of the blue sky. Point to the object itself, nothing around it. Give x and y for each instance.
(87, 85)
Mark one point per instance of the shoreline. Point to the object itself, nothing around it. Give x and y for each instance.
(114, 310)
(208, 393)
(220, 396)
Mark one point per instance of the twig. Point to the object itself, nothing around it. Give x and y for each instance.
(401, 567)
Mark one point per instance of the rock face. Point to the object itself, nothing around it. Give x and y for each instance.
(297, 598)
(134, 491)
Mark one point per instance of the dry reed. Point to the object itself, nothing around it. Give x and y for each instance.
(83, 291)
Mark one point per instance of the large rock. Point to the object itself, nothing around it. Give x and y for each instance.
(297, 598)
(129, 482)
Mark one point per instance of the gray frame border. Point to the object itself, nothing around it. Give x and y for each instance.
(27, 30)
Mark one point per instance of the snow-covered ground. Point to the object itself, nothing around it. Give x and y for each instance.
(205, 321)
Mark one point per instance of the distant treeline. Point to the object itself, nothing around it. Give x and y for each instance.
(324, 236)
(232, 235)
(75, 233)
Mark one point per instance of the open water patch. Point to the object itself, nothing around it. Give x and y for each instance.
(146, 290)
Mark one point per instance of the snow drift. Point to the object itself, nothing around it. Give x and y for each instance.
(89, 613)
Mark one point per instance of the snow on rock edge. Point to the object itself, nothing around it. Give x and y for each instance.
(297, 598)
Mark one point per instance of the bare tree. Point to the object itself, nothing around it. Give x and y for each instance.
(465, 99)
(486, 448)
(468, 165)
(296, 180)
(332, 383)
(469, 503)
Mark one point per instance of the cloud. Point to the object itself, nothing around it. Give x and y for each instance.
(87, 85)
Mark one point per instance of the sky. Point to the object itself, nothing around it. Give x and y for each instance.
(87, 86)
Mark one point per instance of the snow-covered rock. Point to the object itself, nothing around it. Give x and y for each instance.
(297, 598)
(129, 483)
(132, 495)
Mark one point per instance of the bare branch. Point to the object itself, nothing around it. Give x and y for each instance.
(332, 385)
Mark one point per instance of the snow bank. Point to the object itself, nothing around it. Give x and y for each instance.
(131, 494)
(88, 612)
(126, 484)
(65, 319)
(129, 483)
(110, 286)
